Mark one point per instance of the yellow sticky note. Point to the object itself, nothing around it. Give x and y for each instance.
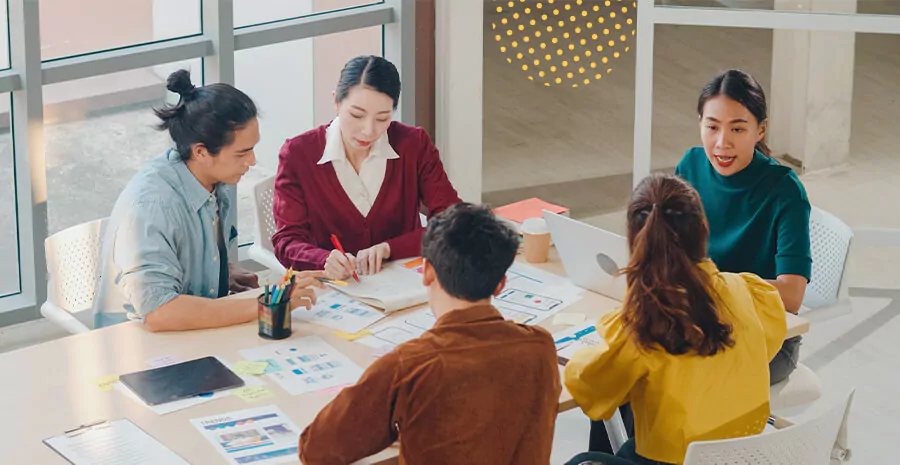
(106, 383)
(568, 319)
(253, 393)
(250, 368)
(351, 336)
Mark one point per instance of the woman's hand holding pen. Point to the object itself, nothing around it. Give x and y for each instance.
(339, 265)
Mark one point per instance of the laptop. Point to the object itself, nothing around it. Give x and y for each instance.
(590, 255)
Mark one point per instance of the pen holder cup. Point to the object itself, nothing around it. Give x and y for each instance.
(274, 318)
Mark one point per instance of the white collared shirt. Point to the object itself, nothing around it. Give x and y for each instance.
(362, 188)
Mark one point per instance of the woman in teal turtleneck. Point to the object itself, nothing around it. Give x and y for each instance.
(757, 209)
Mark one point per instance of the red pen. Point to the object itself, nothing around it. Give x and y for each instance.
(337, 245)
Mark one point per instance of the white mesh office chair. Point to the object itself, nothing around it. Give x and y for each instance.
(820, 441)
(73, 268)
(829, 240)
(262, 251)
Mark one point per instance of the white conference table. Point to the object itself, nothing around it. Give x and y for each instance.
(46, 389)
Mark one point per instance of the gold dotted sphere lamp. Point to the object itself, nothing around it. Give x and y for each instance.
(564, 42)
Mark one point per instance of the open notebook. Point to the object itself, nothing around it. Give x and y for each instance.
(397, 286)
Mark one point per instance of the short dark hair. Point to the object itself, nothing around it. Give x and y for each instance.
(206, 115)
(470, 250)
(370, 71)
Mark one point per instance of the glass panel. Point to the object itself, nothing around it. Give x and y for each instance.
(293, 96)
(98, 133)
(84, 26)
(9, 236)
(698, 54)
(874, 7)
(558, 104)
(252, 12)
(4, 35)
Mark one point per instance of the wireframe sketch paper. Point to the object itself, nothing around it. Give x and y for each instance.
(341, 312)
(404, 327)
(257, 436)
(310, 364)
(396, 287)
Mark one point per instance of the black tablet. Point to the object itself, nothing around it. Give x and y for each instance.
(182, 380)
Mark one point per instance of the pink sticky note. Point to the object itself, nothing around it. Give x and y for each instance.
(333, 391)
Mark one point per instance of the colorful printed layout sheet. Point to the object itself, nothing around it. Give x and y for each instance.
(258, 436)
(339, 311)
(308, 364)
(575, 338)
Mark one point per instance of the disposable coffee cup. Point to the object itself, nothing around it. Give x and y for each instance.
(536, 240)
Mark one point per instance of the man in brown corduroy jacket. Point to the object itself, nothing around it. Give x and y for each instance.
(475, 389)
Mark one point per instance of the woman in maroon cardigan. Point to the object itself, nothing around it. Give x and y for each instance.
(362, 178)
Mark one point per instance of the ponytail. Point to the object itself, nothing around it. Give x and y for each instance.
(670, 301)
(207, 115)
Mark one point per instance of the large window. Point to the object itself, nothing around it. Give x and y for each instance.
(84, 26)
(105, 64)
(9, 237)
(250, 12)
(292, 85)
(98, 132)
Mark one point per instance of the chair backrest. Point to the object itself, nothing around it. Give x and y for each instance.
(263, 195)
(829, 241)
(809, 443)
(73, 265)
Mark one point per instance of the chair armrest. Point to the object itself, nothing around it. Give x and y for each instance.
(63, 318)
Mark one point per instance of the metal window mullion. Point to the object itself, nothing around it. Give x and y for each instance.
(218, 26)
(28, 145)
(400, 48)
(312, 26)
(777, 19)
(643, 91)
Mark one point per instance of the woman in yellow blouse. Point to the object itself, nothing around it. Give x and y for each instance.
(690, 347)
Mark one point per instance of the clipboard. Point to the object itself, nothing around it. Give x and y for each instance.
(118, 442)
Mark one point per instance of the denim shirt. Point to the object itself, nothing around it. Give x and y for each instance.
(160, 241)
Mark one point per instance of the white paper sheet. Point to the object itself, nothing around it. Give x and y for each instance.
(394, 288)
(258, 436)
(118, 442)
(575, 338)
(339, 311)
(310, 364)
(182, 404)
(404, 327)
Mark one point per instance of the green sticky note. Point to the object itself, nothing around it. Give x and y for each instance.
(253, 393)
(250, 368)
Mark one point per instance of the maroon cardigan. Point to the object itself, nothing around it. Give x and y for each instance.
(310, 204)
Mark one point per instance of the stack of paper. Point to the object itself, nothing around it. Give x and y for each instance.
(516, 213)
